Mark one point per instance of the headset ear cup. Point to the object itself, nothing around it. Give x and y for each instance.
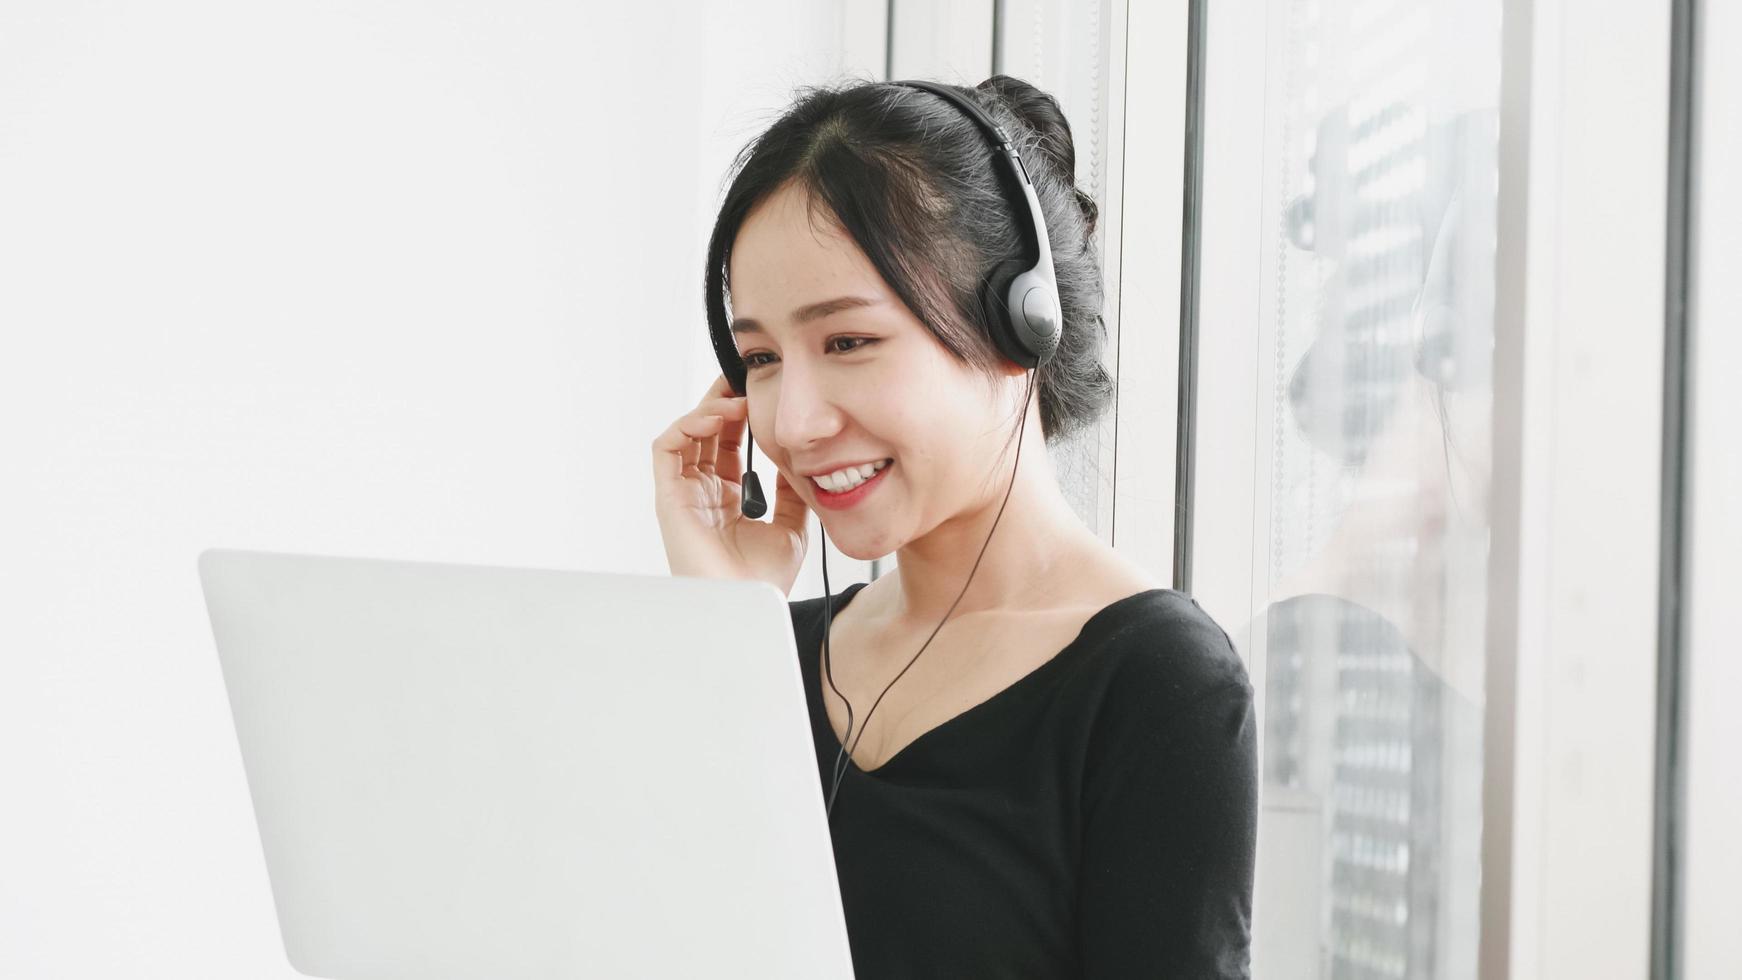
(1043, 328)
(1000, 319)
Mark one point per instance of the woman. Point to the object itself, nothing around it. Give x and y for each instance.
(1063, 785)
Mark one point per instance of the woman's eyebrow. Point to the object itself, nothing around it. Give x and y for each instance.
(808, 313)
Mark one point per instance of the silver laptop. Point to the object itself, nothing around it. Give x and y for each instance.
(464, 772)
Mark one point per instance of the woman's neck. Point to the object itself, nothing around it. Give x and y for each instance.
(1037, 539)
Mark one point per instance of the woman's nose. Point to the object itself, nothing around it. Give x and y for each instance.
(804, 413)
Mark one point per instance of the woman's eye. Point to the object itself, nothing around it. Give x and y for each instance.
(751, 360)
(860, 342)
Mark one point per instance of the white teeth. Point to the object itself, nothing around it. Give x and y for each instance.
(846, 479)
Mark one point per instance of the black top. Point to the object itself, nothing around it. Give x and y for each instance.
(1096, 818)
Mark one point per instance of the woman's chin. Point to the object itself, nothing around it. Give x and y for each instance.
(861, 549)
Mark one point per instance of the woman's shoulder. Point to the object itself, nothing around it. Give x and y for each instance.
(1164, 691)
(1159, 650)
(803, 609)
(807, 614)
(813, 606)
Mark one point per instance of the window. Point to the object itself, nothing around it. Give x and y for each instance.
(1365, 240)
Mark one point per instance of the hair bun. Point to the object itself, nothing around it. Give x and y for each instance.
(1091, 210)
(1040, 112)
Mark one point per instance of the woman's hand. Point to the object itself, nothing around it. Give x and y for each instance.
(697, 473)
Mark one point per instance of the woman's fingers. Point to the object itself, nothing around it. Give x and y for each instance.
(693, 439)
(719, 399)
(790, 510)
(675, 451)
(720, 388)
(728, 411)
(726, 448)
(702, 456)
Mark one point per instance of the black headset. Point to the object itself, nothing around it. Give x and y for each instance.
(1020, 302)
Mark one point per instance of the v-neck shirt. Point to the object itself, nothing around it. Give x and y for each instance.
(1095, 818)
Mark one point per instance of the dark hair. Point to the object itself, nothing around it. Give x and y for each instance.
(911, 179)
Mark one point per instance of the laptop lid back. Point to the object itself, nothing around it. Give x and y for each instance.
(465, 771)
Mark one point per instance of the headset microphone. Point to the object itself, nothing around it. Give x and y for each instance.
(1020, 304)
(753, 504)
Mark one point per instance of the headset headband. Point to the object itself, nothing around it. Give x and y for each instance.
(1021, 300)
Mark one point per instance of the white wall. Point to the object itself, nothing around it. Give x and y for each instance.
(1713, 864)
(402, 280)
(1578, 409)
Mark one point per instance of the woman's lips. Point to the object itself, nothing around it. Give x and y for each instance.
(842, 501)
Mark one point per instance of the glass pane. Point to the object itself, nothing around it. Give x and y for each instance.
(1381, 160)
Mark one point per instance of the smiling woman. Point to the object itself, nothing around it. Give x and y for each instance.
(1064, 784)
(930, 218)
